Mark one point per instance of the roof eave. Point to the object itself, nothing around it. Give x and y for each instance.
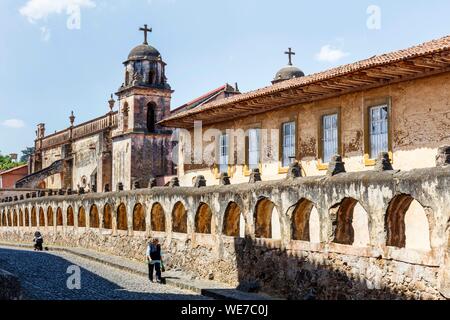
(325, 86)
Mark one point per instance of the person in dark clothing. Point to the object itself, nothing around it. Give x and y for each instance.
(38, 241)
(154, 259)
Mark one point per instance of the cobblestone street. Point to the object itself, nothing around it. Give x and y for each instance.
(44, 276)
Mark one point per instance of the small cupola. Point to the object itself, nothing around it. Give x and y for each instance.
(289, 72)
(144, 66)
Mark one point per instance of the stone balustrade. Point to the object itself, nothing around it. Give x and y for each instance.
(385, 233)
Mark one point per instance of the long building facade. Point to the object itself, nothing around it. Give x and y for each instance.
(397, 103)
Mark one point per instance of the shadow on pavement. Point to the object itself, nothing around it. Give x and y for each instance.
(45, 276)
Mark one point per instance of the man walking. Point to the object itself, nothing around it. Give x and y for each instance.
(154, 258)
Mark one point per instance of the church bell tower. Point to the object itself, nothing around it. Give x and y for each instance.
(141, 146)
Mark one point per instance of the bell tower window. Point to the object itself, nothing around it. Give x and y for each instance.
(151, 117)
(151, 77)
(127, 78)
(125, 117)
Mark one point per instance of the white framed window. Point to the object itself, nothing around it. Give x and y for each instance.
(254, 148)
(330, 137)
(223, 153)
(288, 147)
(379, 130)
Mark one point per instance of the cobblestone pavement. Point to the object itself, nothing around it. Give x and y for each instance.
(44, 276)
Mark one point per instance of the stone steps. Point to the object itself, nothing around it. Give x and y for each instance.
(212, 289)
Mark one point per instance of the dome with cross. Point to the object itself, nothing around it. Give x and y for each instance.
(144, 66)
(144, 52)
(288, 72)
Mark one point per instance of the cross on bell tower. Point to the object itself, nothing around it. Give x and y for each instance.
(290, 53)
(146, 30)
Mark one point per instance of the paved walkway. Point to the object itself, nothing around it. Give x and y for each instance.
(123, 268)
(44, 276)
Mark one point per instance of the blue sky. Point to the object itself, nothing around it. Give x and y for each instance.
(47, 69)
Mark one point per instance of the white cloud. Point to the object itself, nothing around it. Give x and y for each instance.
(35, 10)
(328, 53)
(13, 123)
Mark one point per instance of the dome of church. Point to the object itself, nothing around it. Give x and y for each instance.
(143, 51)
(287, 73)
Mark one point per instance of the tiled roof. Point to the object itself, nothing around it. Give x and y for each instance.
(13, 169)
(199, 100)
(427, 48)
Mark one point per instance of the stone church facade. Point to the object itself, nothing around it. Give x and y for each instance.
(123, 149)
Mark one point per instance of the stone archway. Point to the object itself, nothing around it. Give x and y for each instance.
(15, 219)
(158, 218)
(81, 218)
(267, 220)
(107, 217)
(305, 222)
(27, 217)
(203, 219)
(351, 223)
(122, 220)
(41, 217)
(21, 218)
(59, 217)
(407, 224)
(94, 218)
(179, 218)
(139, 217)
(33, 217)
(50, 217)
(233, 221)
(70, 217)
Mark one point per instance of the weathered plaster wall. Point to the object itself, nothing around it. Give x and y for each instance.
(87, 154)
(48, 157)
(320, 268)
(420, 124)
(150, 157)
(121, 155)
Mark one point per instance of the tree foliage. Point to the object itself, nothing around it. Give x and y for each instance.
(6, 163)
(26, 154)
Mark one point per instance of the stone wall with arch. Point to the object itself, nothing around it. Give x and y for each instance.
(352, 228)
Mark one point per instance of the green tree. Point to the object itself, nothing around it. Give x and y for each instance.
(26, 154)
(6, 163)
